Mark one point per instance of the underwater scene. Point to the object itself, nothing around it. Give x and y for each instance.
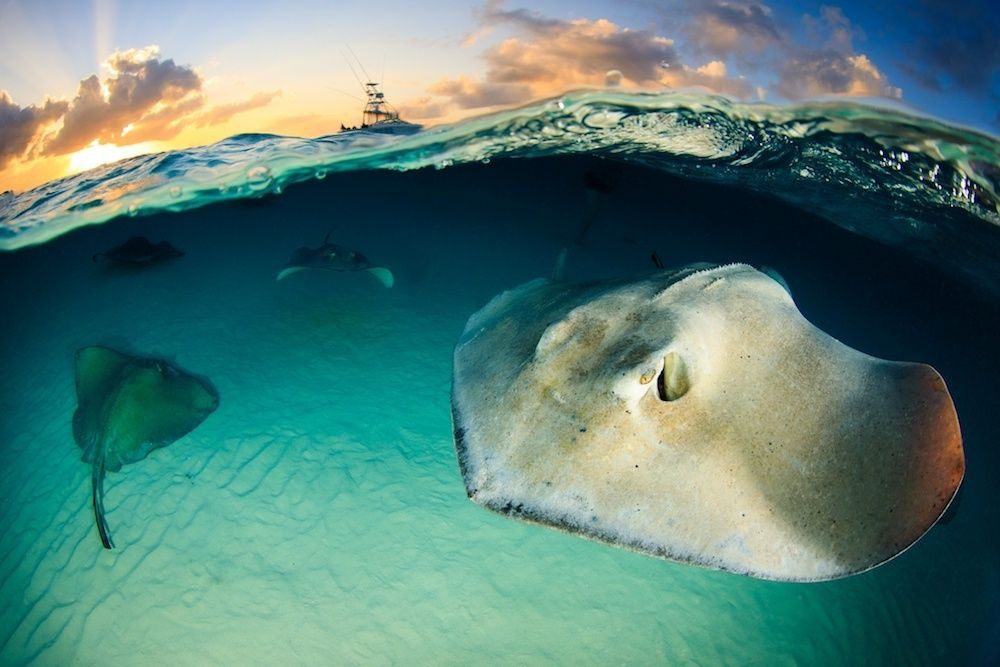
(402, 397)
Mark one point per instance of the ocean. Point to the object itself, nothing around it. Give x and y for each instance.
(318, 516)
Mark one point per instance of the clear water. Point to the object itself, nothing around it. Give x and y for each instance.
(318, 517)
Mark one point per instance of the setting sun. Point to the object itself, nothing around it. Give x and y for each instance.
(97, 154)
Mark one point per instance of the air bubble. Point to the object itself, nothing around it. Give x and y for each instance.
(603, 119)
(259, 177)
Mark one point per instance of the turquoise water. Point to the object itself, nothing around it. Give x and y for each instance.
(318, 516)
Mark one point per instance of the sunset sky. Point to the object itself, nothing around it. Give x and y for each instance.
(87, 82)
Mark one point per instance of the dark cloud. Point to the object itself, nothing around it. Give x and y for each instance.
(825, 62)
(726, 29)
(832, 66)
(819, 73)
(468, 93)
(493, 12)
(822, 62)
(832, 30)
(223, 112)
(20, 127)
(140, 86)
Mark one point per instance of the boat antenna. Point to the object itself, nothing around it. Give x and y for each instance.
(338, 90)
(356, 77)
(358, 60)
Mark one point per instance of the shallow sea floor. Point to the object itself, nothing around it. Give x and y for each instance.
(318, 517)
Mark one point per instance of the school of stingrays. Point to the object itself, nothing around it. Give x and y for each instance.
(690, 414)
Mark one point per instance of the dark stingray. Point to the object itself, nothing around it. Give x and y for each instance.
(127, 406)
(139, 251)
(333, 257)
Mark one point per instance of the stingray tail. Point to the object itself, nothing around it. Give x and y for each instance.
(97, 483)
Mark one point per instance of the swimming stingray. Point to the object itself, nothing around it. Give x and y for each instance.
(128, 406)
(697, 416)
(333, 257)
(138, 251)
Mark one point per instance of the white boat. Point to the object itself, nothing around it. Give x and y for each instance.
(379, 116)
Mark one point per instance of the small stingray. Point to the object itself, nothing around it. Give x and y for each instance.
(333, 257)
(696, 415)
(139, 251)
(128, 406)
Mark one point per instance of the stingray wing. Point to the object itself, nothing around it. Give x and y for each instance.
(383, 274)
(99, 371)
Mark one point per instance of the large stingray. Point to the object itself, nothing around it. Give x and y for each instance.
(697, 416)
(333, 257)
(128, 406)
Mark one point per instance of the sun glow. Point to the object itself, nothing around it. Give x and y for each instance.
(97, 154)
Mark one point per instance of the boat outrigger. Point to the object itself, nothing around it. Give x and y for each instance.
(380, 116)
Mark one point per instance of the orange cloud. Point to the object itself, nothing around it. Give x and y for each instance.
(21, 127)
(224, 112)
(141, 89)
(548, 56)
(165, 123)
(423, 107)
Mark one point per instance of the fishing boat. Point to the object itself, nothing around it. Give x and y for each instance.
(379, 116)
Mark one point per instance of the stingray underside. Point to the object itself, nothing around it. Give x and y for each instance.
(697, 416)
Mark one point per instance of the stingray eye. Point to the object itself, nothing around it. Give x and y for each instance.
(673, 381)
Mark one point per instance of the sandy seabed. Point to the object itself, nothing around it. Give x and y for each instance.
(318, 517)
